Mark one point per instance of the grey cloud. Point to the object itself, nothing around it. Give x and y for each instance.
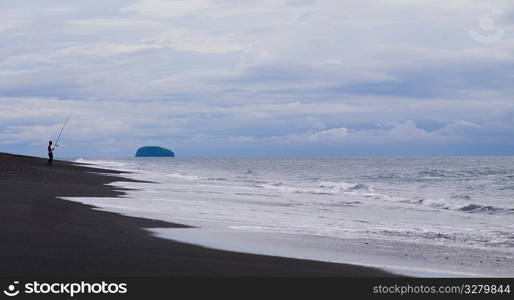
(245, 74)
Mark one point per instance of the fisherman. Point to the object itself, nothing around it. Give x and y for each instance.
(50, 153)
(50, 148)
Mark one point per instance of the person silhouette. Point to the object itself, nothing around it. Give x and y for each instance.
(50, 154)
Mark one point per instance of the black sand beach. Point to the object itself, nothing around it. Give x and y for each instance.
(42, 235)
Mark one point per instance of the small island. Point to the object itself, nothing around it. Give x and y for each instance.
(154, 151)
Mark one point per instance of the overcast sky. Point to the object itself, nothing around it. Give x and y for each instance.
(258, 78)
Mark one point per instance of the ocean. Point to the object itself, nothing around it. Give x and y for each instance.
(420, 216)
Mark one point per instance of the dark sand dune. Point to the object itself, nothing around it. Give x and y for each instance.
(42, 235)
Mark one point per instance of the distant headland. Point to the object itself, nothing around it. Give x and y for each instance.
(154, 151)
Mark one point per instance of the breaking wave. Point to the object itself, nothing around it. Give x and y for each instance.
(442, 173)
(474, 208)
(323, 188)
(183, 176)
(460, 206)
(102, 163)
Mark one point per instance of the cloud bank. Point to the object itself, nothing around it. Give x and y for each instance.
(246, 78)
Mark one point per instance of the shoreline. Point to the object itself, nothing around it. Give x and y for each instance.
(47, 236)
(228, 220)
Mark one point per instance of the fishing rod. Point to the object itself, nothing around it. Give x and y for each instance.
(62, 129)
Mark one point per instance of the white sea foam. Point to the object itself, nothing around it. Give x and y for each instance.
(322, 188)
(103, 163)
(184, 176)
(348, 202)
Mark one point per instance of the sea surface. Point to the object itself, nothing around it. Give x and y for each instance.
(438, 216)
